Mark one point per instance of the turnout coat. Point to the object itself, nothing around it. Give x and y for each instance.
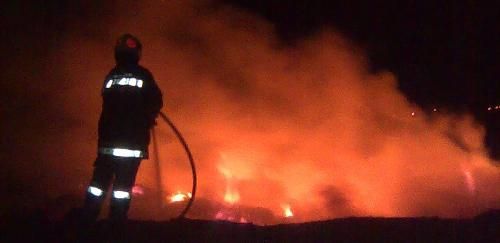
(131, 103)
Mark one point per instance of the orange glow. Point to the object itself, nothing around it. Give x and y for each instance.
(309, 124)
(469, 179)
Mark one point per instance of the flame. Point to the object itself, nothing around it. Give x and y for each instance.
(287, 211)
(230, 214)
(231, 195)
(179, 197)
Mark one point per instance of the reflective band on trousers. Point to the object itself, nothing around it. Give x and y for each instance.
(95, 191)
(121, 195)
(121, 152)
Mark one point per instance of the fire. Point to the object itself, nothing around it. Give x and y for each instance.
(287, 211)
(179, 197)
(231, 195)
(311, 124)
(231, 214)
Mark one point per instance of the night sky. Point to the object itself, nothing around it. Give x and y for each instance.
(444, 55)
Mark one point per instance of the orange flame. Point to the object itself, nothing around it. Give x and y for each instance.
(231, 195)
(287, 211)
(179, 197)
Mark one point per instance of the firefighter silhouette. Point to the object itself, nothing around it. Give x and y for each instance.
(131, 103)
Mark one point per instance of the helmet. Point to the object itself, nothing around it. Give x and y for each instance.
(128, 50)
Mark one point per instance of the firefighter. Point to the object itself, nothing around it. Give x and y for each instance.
(131, 103)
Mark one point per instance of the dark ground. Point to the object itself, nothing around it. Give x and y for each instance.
(483, 228)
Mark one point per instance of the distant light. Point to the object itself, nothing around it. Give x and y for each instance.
(413, 114)
(435, 110)
(139, 83)
(489, 108)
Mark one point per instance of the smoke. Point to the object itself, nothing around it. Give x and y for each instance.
(306, 125)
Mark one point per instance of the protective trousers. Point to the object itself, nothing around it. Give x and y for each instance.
(106, 168)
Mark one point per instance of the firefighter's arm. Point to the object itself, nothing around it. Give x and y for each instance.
(106, 82)
(154, 99)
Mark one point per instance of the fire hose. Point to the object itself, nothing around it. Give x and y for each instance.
(190, 158)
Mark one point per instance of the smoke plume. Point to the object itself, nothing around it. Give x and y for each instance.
(306, 126)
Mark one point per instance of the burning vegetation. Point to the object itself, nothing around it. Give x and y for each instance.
(273, 125)
(309, 125)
